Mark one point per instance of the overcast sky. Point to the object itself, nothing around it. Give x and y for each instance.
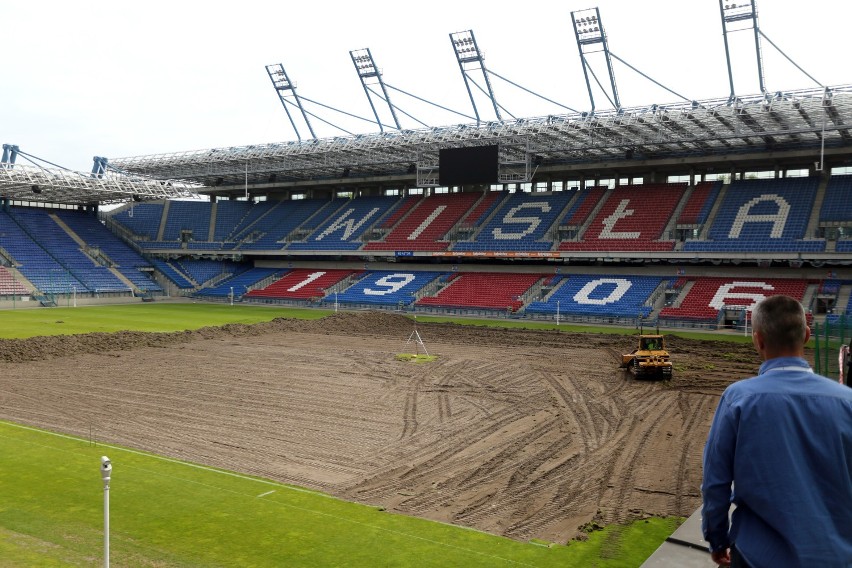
(120, 79)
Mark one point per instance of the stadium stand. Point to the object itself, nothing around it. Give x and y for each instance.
(33, 261)
(243, 227)
(707, 295)
(65, 253)
(699, 204)
(173, 274)
(302, 284)
(112, 250)
(241, 283)
(631, 219)
(763, 215)
(837, 204)
(142, 219)
(587, 200)
(344, 229)
(483, 209)
(280, 221)
(201, 271)
(407, 204)
(187, 216)
(228, 215)
(599, 295)
(425, 226)
(495, 291)
(522, 223)
(836, 210)
(387, 288)
(10, 286)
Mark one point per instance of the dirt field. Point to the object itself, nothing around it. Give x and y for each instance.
(527, 434)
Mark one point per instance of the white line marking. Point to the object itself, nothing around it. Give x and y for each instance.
(267, 493)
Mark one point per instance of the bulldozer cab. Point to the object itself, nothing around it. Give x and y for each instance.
(651, 343)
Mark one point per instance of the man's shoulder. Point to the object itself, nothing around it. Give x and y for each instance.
(831, 387)
(798, 383)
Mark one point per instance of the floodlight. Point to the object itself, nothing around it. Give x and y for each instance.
(106, 468)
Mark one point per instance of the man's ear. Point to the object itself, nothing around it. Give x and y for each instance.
(807, 333)
(757, 340)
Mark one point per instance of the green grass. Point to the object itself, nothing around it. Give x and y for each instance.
(165, 316)
(416, 357)
(169, 513)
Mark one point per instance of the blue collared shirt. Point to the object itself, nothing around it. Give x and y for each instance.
(783, 440)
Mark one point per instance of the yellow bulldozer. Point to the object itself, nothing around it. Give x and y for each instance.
(650, 359)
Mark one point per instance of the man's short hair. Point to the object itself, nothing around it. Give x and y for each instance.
(781, 321)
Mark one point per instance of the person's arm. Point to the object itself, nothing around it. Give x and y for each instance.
(718, 478)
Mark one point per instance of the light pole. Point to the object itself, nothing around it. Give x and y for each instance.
(106, 470)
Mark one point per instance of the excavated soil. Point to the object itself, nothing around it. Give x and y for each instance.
(526, 434)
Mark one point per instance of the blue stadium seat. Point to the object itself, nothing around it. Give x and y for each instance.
(388, 287)
(343, 230)
(520, 224)
(188, 216)
(240, 282)
(281, 220)
(763, 215)
(51, 259)
(598, 295)
(837, 204)
(142, 219)
(127, 261)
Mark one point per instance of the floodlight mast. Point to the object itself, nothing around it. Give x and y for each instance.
(743, 12)
(10, 154)
(365, 65)
(99, 167)
(470, 58)
(589, 32)
(282, 85)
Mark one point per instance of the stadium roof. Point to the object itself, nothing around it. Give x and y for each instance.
(56, 185)
(795, 122)
(770, 122)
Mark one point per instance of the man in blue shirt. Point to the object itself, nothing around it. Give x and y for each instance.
(780, 450)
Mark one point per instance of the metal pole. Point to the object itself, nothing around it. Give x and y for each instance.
(727, 51)
(335, 302)
(557, 312)
(106, 472)
(106, 525)
(816, 348)
(232, 295)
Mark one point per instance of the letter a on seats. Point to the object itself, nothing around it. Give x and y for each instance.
(778, 220)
